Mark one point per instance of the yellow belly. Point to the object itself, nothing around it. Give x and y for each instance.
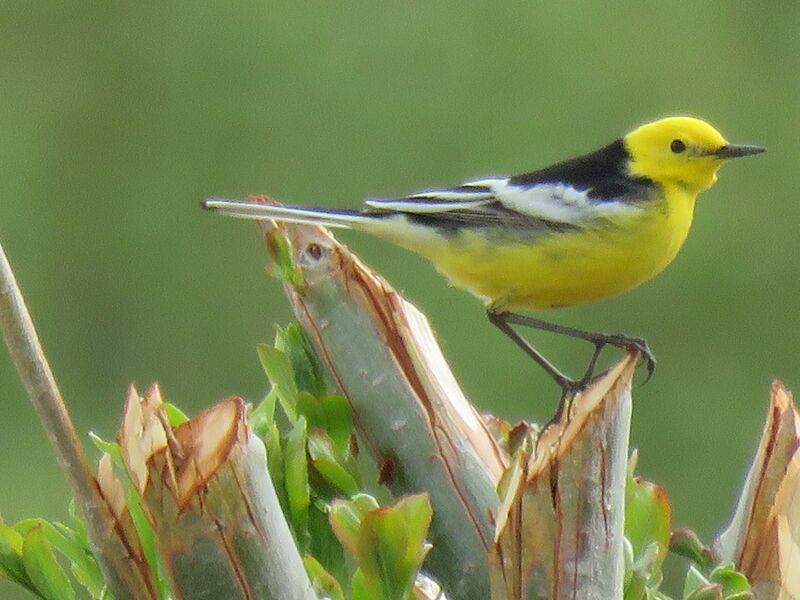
(567, 268)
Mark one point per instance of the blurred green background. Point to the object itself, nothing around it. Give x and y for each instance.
(117, 118)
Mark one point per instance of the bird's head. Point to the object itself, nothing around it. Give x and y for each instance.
(681, 150)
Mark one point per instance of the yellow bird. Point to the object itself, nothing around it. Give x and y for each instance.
(577, 231)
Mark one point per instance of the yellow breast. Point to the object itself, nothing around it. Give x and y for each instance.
(607, 257)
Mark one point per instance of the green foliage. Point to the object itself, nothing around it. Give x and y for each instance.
(707, 575)
(722, 583)
(307, 374)
(388, 544)
(110, 448)
(312, 446)
(330, 463)
(649, 538)
(175, 415)
(648, 519)
(40, 563)
(282, 266)
(391, 546)
(11, 564)
(147, 538)
(685, 542)
(346, 517)
(279, 371)
(325, 584)
(29, 556)
(298, 492)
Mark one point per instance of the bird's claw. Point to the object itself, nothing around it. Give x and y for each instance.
(635, 343)
(624, 342)
(649, 360)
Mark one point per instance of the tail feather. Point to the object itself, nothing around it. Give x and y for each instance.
(293, 214)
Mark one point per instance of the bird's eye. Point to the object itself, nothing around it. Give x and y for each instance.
(677, 146)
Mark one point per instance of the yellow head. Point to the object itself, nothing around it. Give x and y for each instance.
(682, 151)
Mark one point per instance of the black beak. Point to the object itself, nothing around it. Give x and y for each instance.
(737, 150)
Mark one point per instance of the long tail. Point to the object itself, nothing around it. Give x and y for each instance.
(294, 214)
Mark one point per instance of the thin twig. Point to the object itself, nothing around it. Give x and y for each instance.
(33, 369)
(26, 351)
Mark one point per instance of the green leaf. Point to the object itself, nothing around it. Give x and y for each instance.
(329, 463)
(648, 519)
(275, 465)
(336, 475)
(308, 375)
(56, 534)
(78, 530)
(339, 421)
(387, 543)
(709, 591)
(694, 581)
(686, 543)
(391, 545)
(175, 415)
(361, 590)
(111, 448)
(78, 527)
(11, 564)
(324, 545)
(325, 584)
(732, 581)
(90, 578)
(627, 559)
(331, 413)
(42, 567)
(262, 416)
(73, 545)
(642, 573)
(311, 408)
(279, 371)
(296, 480)
(282, 266)
(345, 517)
(148, 541)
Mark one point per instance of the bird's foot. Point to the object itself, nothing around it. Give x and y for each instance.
(625, 342)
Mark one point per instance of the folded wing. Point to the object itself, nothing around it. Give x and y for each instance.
(502, 201)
